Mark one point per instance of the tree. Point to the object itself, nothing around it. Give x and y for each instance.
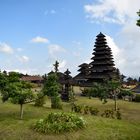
(20, 93)
(17, 91)
(51, 89)
(114, 89)
(56, 65)
(100, 90)
(138, 21)
(4, 86)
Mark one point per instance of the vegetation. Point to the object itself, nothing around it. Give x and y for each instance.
(51, 89)
(137, 98)
(40, 100)
(98, 128)
(59, 122)
(18, 92)
(138, 21)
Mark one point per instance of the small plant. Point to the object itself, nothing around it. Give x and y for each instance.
(112, 114)
(77, 108)
(108, 113)
(93, 111)
(59, 123)
(86, 109)
(137, 98)
(118, 114)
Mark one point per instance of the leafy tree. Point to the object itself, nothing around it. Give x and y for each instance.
(101, 91)
(4, 86)
(114, 89)
(51, 89)
(138, 21)
(14, 77)
(20, 93)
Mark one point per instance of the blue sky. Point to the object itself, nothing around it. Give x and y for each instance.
(35, 33)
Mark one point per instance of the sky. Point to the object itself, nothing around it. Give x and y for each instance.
(36, 33)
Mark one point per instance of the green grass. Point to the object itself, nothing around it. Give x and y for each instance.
(98, 128)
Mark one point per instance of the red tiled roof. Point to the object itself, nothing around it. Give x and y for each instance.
(31, 78)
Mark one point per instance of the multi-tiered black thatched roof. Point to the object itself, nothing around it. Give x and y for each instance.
(102, 66)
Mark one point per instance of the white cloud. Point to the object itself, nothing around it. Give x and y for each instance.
(62, 64)
(23, 59)
(118, 54)
(19, 49)
(50, 12)
(112, 11)
(53, 11)
(54, 49)
(39, 39)
(5, 48)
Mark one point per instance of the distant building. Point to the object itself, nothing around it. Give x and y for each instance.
(32, 79)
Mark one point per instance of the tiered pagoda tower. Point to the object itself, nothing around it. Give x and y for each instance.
(83, 72)
(102, 67)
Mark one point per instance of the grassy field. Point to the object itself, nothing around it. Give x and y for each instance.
(98, 128)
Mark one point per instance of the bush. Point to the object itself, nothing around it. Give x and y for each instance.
(93, 111)
(85, 109)
(56, 102)
(40, 101)
(124, 92)
(108, 113)
(59, 122)
(137, 98)
(90, 92)
(112, 114)
(77, 108)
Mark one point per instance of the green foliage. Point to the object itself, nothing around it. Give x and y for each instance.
(93, 111)
(85, 109)
(40, 100)
(138, 21)
(101, 90)
(13, 77)
(118, 114)
(56, 102)
(108, 113)
(137, 98)
(112, 114)
(51, 86)
(51, 89)
(77, 108)
(59, 123)
(20, 93)
(124, 92)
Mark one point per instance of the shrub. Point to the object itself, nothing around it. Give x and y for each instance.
(56, 102)
(77, 108)
(40, 101)
(59, 122)
(118, 114)
(93, 111)
(137, 98)
(124, 92)
(112, 114)
(108, 113)
(85, 92)
(86, 109)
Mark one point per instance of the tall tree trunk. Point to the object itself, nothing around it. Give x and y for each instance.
(21, 111)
